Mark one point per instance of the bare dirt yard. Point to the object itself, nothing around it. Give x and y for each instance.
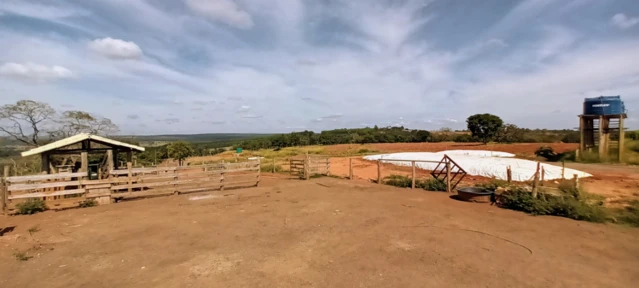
(319, 233)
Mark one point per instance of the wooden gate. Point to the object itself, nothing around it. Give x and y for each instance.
(447, 171)
(310, 165)
(297, 167)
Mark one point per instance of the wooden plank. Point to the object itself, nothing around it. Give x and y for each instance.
(129, 167)
(17, 187)
(19, 179)
(142, 185)
(46, 194)
(98, 186)
(5, 192)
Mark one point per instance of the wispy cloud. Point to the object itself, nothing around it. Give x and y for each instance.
(624, 22)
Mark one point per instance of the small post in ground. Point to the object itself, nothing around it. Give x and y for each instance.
(543, 172)
(563, 169)
(413, 184)
(273, 165)
(509, 174)
(379, 171)
(575, 181)
(536, 181)
(130, 176)
(4, 190)
(350, 168)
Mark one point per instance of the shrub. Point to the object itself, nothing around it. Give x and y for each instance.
(399, 181)
(31, 206)
(493, 184)
(629, 215)
(433, 184)
(563, 206)
(88, 203)
(363, 151)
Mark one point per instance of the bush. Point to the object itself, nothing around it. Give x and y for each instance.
(432, 184)
(493, 184)
(399, 181)
(629, 215)
(567, 206)
(31, 206)
(88, 203)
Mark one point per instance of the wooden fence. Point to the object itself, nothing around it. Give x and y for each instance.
(64, 190)
(310, 165)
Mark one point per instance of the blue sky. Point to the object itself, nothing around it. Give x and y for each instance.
(206, 66)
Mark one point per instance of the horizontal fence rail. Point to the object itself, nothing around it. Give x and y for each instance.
(65, 190)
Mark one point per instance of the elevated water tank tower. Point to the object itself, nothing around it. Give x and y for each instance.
(601, 125)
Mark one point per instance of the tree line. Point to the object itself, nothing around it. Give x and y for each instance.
(338, 136)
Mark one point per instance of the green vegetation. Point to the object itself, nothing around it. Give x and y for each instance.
(338, 136)
(269, 168)
(401, 181)
(88, 203)
(485, 127)
(552, 156)
(179, 150)
(493, 184)
(31, 206)
(564, 206)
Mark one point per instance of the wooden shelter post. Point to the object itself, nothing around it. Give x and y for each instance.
(45, 163)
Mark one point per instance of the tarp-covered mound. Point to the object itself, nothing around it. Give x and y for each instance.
(481, 163)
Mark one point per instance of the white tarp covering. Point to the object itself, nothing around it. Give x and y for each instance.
(483, 153)
(477, 163)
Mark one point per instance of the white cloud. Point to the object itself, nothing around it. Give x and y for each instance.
(34, 71)
(116, 48)
(624, 22)
(225, 11)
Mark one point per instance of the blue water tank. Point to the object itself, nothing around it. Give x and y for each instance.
(604, 105)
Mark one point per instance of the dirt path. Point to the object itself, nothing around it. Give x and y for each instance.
(319, 233)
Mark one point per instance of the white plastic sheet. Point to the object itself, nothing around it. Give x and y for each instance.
(480, 163)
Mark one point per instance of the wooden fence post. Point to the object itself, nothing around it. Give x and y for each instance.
(273, 165)
(4, 190)
(543, 172)
(130, 175)
(259, 170)
(536, 181)
(350, 168)
(379, 171)
(509, 174)
(328, 166)
(563, 169)
(448, 184)
(575, 180)
(307, 167)
(413, 184)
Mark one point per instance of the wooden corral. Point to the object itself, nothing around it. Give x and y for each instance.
(309, 165)
(64, 190)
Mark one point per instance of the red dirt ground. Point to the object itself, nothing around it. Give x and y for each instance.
(319, 233)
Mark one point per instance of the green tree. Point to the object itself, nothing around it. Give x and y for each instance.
(510, 133)
(484, 127)
(179, 150)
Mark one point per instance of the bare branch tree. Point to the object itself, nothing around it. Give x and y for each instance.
(25, 120)
(75, 122)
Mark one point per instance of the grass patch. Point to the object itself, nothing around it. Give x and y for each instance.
(401, 181)
(31, 206)
(269, 168)
(88, 203)
(432, 184)
(564, 206)
(22, 256)
(628, 215)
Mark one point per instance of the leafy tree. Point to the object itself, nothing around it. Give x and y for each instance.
(25, 120)
(484, 127)
(510, 133)
(179, 150)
